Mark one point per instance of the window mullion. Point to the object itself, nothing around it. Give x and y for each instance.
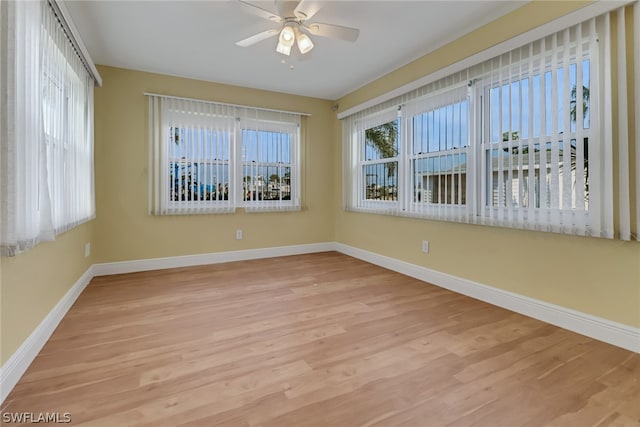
(237, 161)
(474, 138)
(404, 189)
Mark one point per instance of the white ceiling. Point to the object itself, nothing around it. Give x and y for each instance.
(196, 39)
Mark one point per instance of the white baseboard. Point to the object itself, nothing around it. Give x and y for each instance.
(121, 267)
(598, 328)
(16, 366)
(601, 329)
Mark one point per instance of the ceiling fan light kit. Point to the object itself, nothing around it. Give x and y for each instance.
(290, 33)
(293, 23)
(285, 41)
(287, 35)
(304, 42)
(283, 49)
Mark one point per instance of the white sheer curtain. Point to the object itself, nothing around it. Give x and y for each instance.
(26, 213)
(67, 101)
(47, 129)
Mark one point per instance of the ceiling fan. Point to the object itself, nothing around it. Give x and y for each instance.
(293, 16)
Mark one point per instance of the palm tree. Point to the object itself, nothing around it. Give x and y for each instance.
(585, 141)
(383, 139)
(573, 105)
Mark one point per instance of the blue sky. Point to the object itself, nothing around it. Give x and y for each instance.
(209, 144)
(258, 147)
(446, 127)
(510, 96)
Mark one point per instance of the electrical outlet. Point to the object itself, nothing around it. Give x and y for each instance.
(239, 235)
(425, 246)
(87, 249)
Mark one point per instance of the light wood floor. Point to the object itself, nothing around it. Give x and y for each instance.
(316, 340)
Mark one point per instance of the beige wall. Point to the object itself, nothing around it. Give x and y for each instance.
(596, 276)
(34, 282)
(124, 229)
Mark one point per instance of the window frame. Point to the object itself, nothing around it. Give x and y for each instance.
(269, 126)
(202, 123)
(539, 214)
(220, 124)
(380, 118)
(64, 176)
(424, 107)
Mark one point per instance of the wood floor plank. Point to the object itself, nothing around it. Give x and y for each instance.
(316, 340)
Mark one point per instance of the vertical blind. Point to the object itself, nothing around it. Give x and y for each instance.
(207, 157)
(526, 139)
(626, 163)
(67, 98)
(438, 153)
(269, 157)
(192, 148)
(636, 84)
(538, 167)
(47, 129)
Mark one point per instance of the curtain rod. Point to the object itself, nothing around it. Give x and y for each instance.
(64, 17)
(224, 103)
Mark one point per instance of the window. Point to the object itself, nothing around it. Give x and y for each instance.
(533, 122)
(198, 153)
(67, 124)
(508, 142)
(266, 165)
(378, 148)
(206, 178)
(438, 150)
(47, 170)
(212, 158)
(380, 162)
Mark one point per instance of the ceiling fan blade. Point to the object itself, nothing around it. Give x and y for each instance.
(306, 9)
(257, 38)
(284, 7)
(333, 31)
(261, 12)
